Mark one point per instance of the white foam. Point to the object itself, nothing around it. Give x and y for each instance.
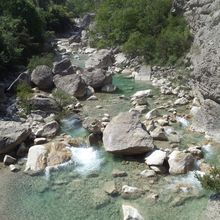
(187, 180)
(87, 160)
(183, 121)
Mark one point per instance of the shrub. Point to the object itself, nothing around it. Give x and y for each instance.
(62, 98)
(142, 27)
(211, 181)
(24, 93)
(46, 59)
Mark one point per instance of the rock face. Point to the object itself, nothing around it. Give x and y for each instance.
(101, 59)
(42, 77)
(11, 135)
(131, 213)
(204, 59)
(72, 84)
(206, 118)
(180, 162)
(44, 103)
(125, 135)
(96, 78)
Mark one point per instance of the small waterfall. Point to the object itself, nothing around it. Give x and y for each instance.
(87, 160)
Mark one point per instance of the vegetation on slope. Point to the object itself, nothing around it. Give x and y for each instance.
(144, 28)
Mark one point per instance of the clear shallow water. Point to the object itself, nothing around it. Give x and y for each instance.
(76, 191)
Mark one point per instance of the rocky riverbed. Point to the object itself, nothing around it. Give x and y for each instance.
(126, 148)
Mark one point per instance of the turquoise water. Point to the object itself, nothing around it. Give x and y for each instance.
(77, 191)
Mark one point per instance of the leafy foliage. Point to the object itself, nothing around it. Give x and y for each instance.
(211, 181)
(24, 25)
(142, 27)
(24, 93)
(46, 59)
(62, 98)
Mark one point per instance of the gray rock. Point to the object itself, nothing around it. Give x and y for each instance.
(125, 135)
(101, 59)
(144, 73)
(14, 168)
(62, 67)
(109, 88)
(92, 98)
(130, 192)
(148, 173)
(206, 119)
(38, 141)
(11, 135)
(49, 130)
(131, 213)
(110, 188)
(159, 134)
(9, 160)
(93, 125)
(156, 158)
(42, 77)
(74, 39)
(181, 101)
(119, 173)
(120, 60)
(44, 103)
(96, 78)
(37, 158)
(180, 162)
(72, 84)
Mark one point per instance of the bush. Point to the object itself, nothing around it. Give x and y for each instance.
(57, 19)
(46, 59)
(211, 181)
(142, 27)
(24, 93)
(62, 98)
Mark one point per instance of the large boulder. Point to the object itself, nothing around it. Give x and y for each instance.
(101, 59)
(42, 77)
(96, 78)
(51, 154)
(180, 162)
(44, 103)
(11, 135)
(125, 135)
(63, 67)
(37, 158)
(131, 213)
(49, 130)
(72, 84)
